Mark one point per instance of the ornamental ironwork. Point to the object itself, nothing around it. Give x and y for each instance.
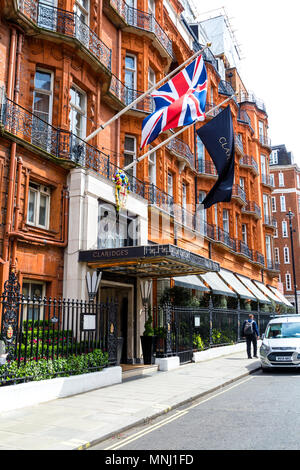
(10, 299)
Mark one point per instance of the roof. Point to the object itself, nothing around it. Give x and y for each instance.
(285, 318)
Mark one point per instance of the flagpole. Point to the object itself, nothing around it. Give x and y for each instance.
(135, 162)
(116, 116)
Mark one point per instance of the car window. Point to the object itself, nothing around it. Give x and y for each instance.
(283, 330)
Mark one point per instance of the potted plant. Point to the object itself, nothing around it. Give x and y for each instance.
(148, 341)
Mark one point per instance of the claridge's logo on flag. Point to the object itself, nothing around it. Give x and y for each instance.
(179, 102)
(218, 138)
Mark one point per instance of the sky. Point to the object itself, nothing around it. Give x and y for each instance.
(268, 34)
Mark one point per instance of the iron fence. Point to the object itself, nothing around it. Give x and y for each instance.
(183, 330)
(44, 328)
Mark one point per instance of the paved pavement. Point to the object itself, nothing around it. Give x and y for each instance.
(79, 421)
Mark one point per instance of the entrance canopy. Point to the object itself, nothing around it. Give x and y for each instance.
(149, 261)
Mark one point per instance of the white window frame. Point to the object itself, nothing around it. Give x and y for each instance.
(281, 179)
(44, 92)
(282, 203)
(226, 220)
(286, 255)
(276, 229)
(130, 90)
(272, 180)
(268, 247)
(273, 203)
(274, 157)
(288, 281)
(31, 295)
(276, 255)
(130, 153)
(244, 233)
(170, 184)
(152, 168)
(81, 111)
(39, 189)
(284, 229)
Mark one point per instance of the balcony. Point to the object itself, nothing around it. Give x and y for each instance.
(243, 249)
(208, 109)
(158, 198)
(127, 18)
(59, 145)
(119, 96)
(266, 180)
(270, 222)
(226, 89)
(224, 238)
(272, 266)
(265, 141)
(239, 194)
(258, 258)
(251, 98)
(248, 162)
(182, 151)
(252, 209)
(208, 56)
(244, 118)
(206, 169)
(66, 24)
(238, 144)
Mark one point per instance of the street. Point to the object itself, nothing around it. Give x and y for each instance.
(259, 412)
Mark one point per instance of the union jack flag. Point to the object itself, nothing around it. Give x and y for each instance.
(179, 102)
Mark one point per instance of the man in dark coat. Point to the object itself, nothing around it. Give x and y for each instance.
(251, 333)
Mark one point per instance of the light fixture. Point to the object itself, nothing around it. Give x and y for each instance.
(92, 283)
(145, 287)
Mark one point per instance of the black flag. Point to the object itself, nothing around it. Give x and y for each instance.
(218, 138)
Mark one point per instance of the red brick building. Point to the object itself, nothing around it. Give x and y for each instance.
(286, 197)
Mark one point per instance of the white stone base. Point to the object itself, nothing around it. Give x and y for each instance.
(212, 353)
(32, 393)
(167, 363)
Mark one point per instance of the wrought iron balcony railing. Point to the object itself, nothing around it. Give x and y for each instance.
(160, 199)
(243, 249)
(67, 23)
(238, 142)
(238, 192)
(127, 95)
(252, 208)
(182, 150)
(206, 167)
(272, 266)
(243, 116)
(224, 237)
(270, 221)
(258, 258)
(264, 140)
(251, 98)
(59, 143)
(267, 180)
(207, 54)
(143, 20)
(249, 161)
(225, 88)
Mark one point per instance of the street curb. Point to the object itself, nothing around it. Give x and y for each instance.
(165, 411)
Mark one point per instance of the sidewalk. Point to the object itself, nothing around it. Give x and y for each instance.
(82, 420)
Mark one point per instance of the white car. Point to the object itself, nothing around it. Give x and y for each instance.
(281, 343)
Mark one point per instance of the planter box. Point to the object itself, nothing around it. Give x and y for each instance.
(32, 393)
(212, 353)
(167, 363)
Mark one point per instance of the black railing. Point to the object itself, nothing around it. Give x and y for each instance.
(127, 96)
(237, 191)
(243, 249)
(224, 238)
(251, 98)
(34, 329)
(160, 199)
(259, 258)
(252, 208)
(249, 161)
(181, 149)
(181, 331)
(206, 167)
(60, 143)
(143, 20)
(69, 24)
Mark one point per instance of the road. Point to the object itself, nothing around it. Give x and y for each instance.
(260, 412)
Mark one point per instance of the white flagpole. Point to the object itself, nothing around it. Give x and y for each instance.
(116, 116)
(172, 136)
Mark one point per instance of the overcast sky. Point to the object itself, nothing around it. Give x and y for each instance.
(269, 34)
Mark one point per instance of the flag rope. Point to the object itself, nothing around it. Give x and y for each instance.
(139, 98)
(135, 162)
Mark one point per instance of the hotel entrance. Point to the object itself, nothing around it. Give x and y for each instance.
(123, 295)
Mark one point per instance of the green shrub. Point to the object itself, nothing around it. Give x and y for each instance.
(62, 366)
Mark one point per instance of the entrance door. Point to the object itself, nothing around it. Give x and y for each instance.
(124, 328)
